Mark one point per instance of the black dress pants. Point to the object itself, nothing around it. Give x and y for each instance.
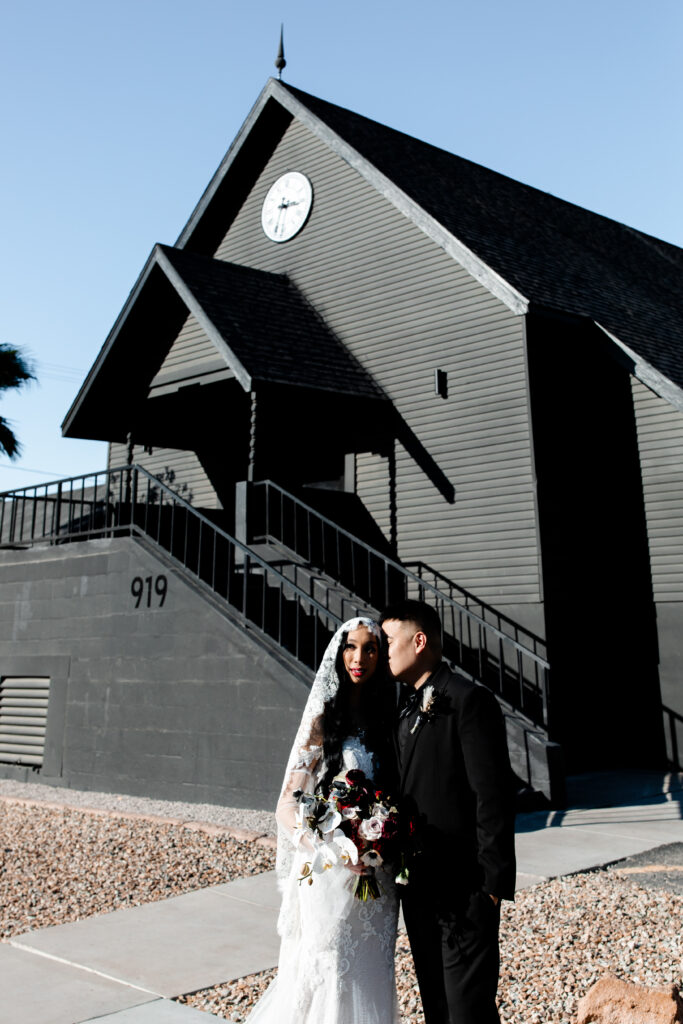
(456, 957)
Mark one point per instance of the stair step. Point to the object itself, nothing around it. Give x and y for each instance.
(322, 588)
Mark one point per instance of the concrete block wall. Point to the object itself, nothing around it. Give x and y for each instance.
(153, 691)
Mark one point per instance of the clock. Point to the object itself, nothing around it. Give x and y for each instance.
(286, 206)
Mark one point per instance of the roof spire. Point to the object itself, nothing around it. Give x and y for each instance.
(280, 62)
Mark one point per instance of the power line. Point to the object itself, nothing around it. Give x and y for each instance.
(56, 371)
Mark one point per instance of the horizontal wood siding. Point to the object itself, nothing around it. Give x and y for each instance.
(404, 308)
(180, 470)
(192, 357)
(372, 483)
(660, 440)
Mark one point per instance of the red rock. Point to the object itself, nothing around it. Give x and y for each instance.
(611, 1001)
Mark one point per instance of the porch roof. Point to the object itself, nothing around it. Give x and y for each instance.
(260, 324)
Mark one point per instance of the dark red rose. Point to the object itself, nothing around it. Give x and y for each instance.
(390, 830)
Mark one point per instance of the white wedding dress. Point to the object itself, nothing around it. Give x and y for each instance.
(336, 961)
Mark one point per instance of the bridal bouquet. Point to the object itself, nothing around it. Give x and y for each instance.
(355, 823)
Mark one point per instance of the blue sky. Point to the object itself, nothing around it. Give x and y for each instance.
(115, 115)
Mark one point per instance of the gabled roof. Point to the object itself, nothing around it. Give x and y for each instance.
(264, 326)
(526, 246)
(259, 323)
(556, 254)
(529, 249)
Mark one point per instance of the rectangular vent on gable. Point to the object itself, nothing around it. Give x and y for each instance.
(23, 717)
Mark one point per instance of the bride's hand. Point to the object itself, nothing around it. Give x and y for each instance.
(358, 869)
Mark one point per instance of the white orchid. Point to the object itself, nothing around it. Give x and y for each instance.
(301, 827)
(348, 813)
(323, 858)
(349, 851)
(300, 816)
(329, 821)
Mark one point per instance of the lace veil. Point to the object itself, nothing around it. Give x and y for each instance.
(306, 766)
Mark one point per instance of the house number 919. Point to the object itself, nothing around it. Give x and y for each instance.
(139, 586)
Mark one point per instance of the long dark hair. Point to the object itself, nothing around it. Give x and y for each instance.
(376, 719)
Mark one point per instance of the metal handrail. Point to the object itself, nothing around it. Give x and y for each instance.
(89, 505)
(129, 500)
(467, 595)
(526, 690)
(401, 568)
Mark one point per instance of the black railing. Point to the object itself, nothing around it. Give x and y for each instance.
(504, 623)
(278, 516)
(130, 501)
(495, 651)
(673, 727)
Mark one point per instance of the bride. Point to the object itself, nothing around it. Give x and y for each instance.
(336, 961)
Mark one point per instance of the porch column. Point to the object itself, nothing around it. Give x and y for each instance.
(243, 487)
(252, 439)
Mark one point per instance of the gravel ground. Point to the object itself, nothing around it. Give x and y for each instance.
(61, 864)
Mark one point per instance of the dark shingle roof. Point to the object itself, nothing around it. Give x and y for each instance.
(268, 325)
(556, 254)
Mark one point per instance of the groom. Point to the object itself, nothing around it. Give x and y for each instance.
(456, 782)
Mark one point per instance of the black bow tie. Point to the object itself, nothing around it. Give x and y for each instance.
(413, 703)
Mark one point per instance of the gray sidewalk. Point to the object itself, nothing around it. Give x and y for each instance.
(126, 967)
(135, 956)
(611, 815)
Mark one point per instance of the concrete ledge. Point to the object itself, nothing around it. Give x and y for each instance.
(536, 759)
(243, 835)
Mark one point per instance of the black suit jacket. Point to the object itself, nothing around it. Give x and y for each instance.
(456, 781)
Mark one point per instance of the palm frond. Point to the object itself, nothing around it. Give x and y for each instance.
(15, 369)
(8, 442)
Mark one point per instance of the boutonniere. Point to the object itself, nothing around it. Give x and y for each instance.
(433, 703)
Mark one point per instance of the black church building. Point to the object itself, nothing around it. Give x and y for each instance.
(367, 368)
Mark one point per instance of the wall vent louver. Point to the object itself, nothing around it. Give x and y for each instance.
(23, 718)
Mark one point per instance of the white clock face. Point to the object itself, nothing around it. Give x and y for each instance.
(286, 206)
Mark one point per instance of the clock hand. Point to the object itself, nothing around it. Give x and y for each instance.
(282, 213)
(284, 207)
(281, 210)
